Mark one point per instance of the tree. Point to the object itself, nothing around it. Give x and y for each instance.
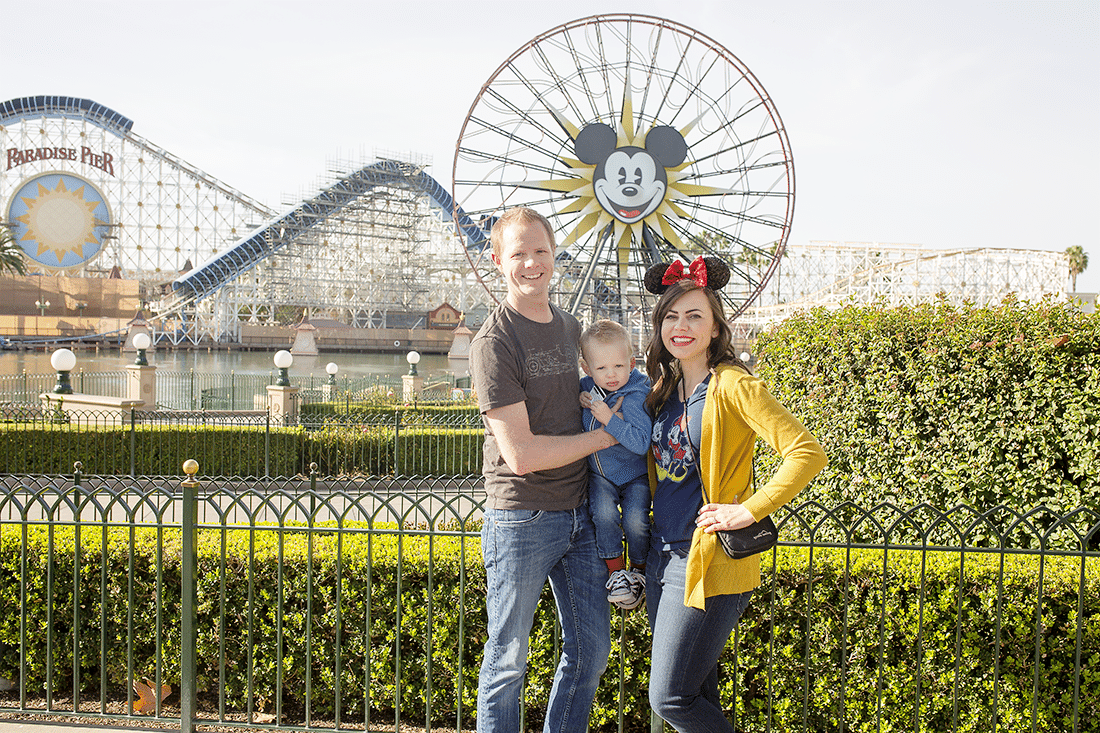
(11, 254)
(1078, 261)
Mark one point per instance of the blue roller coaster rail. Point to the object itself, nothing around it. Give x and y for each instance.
(271, 237)
(22, 108)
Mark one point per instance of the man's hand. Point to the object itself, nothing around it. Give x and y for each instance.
(525, 452)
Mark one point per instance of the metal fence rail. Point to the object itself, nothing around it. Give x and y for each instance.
(191, 390)
(318, 604)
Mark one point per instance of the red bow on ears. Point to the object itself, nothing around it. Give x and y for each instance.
(697, 271)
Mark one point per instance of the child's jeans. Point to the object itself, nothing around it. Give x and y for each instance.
(604, 500)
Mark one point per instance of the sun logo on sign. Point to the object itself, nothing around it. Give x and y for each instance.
(60, 220)
(625, 179)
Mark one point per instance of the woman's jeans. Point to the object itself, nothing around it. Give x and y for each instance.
(521, 549)
(604, 499)
(683, 682)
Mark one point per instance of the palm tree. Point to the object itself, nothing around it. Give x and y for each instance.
(11, 254)
(1078, 261)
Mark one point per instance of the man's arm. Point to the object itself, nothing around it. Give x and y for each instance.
(525, 452)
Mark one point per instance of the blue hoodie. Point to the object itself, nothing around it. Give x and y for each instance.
(627, 460)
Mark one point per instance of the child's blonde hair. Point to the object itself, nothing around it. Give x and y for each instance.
(606, 332)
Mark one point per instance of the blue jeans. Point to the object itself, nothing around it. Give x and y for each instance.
(604, 500)
(683, 681)
(521, 549)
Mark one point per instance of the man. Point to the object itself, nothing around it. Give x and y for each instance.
(536, 524)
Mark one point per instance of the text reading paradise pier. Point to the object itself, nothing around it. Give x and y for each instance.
(103, 160)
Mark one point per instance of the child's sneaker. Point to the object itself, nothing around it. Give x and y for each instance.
(622, 590)
(637, 584)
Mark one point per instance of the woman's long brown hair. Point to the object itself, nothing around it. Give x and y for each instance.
(663, 368)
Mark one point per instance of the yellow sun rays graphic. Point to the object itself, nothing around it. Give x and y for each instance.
(60, 221)
(592, 216)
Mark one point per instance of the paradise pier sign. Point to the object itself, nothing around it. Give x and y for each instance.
(103, 160)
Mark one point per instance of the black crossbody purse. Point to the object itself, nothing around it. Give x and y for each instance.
(758, 537)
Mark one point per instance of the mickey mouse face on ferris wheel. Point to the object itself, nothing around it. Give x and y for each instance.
(630, 182)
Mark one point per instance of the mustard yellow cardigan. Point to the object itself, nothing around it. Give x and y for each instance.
(739, 408)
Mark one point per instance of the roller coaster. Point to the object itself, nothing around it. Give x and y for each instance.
(377, 245)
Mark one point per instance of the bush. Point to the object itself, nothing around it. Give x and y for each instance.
(945, 404)
(153, 450)
(394, 610)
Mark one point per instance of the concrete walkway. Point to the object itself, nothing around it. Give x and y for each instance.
(21, 726)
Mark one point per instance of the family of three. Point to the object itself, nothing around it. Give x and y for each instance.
(568, 471)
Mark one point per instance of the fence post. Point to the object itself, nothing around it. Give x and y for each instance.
(396, 440)
(133, 444)
(312, 492)
(189, 599)
(267, 443)
(77, 502)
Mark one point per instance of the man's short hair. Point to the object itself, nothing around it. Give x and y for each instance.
(605, 332)
(518, 215)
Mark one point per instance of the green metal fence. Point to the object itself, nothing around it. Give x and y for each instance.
(314, 604)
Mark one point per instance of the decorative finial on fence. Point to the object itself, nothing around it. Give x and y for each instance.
(190, 467)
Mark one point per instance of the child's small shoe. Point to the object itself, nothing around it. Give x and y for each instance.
(625, 589)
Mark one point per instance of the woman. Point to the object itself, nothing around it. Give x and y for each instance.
(708, 410)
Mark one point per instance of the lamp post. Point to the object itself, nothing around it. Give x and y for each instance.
(42, 305)
(283, 360)
(411, 382)
(63, 361)
(329, 390)
(282, 398)
(141, 343)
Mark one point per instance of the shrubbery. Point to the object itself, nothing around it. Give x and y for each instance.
(396, 604)
(945, 404)
(338, 449)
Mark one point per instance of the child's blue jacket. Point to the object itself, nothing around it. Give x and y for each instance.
(627, 460)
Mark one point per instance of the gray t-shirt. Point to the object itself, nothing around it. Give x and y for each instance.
(514, 359)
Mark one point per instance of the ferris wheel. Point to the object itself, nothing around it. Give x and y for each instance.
(642, 141)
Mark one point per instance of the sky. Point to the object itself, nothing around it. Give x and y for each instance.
(946, 124)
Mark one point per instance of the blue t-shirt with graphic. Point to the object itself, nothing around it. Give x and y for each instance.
(679, 494)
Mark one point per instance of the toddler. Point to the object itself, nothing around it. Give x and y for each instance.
(618, 476)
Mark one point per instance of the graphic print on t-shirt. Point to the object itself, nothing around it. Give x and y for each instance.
(671, 449)
(547, 363)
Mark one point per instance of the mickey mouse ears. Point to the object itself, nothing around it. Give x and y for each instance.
(707, 272)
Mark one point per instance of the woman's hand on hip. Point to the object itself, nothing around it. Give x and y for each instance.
(714, 517)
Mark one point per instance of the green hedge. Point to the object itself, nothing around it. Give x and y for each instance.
(356, 583)
(945, 404)
(338, 450)
(155, 450)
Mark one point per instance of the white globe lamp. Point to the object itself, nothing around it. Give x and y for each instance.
(141, 343)
(283, 360)
(63, 360)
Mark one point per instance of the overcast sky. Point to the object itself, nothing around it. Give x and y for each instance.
(946, 124)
